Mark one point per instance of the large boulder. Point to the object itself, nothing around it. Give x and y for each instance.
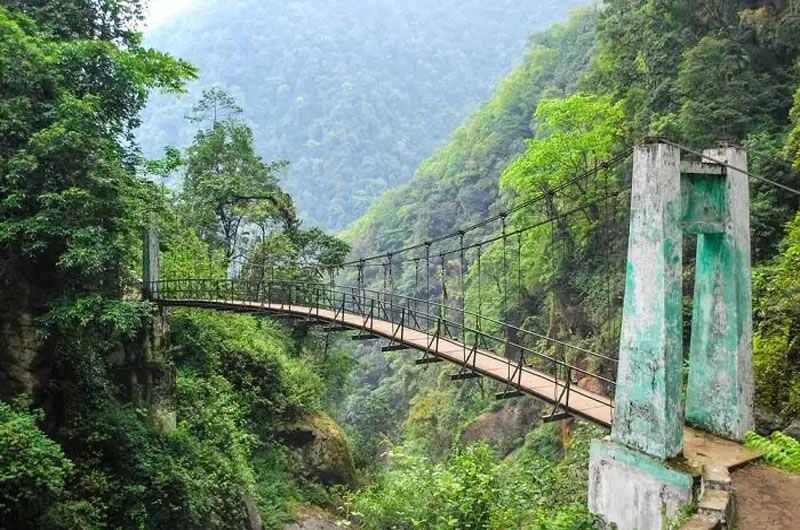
(767, 422)
(319, 449)
(793, 429)
(504, 429)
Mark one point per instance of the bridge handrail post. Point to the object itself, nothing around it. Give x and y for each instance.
(505, 349)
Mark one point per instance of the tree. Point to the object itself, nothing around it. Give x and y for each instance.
(226, 184)
(71, 203)
(707, 112)
(776, 349)
(32, 466)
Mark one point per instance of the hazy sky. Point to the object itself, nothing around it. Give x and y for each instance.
(159, 10)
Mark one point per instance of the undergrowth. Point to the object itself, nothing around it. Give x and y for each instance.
(779, 450)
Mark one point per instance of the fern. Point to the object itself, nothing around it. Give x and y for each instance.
(779, 449)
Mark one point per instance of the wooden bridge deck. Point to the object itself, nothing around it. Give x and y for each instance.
(582, 403)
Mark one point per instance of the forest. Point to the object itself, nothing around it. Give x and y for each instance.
(117, 413)
(354, 94)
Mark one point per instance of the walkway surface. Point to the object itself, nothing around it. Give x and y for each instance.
(707, 450)
(582, 403)
(766, 499)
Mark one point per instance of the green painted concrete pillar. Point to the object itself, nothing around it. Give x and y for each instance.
(648, 414)
(719, 396)
(151, 268)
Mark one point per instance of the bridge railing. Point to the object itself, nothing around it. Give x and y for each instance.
(522, 351)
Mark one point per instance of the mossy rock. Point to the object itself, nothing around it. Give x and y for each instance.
(319, 449)
(504, 428)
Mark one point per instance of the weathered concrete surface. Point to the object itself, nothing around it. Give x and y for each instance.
(719, 397)
(718, 504)
(702, 522)
(705, 450)
(648, 415)
(634, 491)
(631, 485)
(151, 264)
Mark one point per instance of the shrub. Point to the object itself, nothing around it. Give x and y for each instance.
(33, 468)
(779, 449)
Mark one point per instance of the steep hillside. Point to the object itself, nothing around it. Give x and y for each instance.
(603, 82)
(354, 94)
(459, 184)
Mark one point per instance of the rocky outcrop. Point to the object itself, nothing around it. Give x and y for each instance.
(145, 373)
(25, 358)
(767, 422)
(253, 514)
(319, 449)
(793, 429)
(505, 428)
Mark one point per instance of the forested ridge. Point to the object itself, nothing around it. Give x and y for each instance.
(116, 413)
(353, 94)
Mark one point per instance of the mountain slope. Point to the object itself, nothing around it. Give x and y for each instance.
(354, 94)
(459, 184)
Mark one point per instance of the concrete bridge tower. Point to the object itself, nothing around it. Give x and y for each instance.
(636, 476)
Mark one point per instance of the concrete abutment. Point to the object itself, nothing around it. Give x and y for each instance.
(637, 478)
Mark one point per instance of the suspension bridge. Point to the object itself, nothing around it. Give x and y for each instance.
(636, 387)
(431, 319)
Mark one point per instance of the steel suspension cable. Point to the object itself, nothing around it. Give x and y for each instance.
(428, 284)
(416, 283)
(505, 293)
(479, 316)
(462, 271)
(607, 164)
(443, 308)
(505, 268)
(519, 272)
(391, 286)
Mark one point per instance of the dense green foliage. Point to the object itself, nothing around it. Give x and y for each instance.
(611, 76)
(777, 309)
(542, 487)
(779, 449)
(71, 204)
(353, 94)
(32, 467)
(75, 198)
(226, 184)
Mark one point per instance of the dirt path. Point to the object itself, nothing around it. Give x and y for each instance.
(766, 499)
